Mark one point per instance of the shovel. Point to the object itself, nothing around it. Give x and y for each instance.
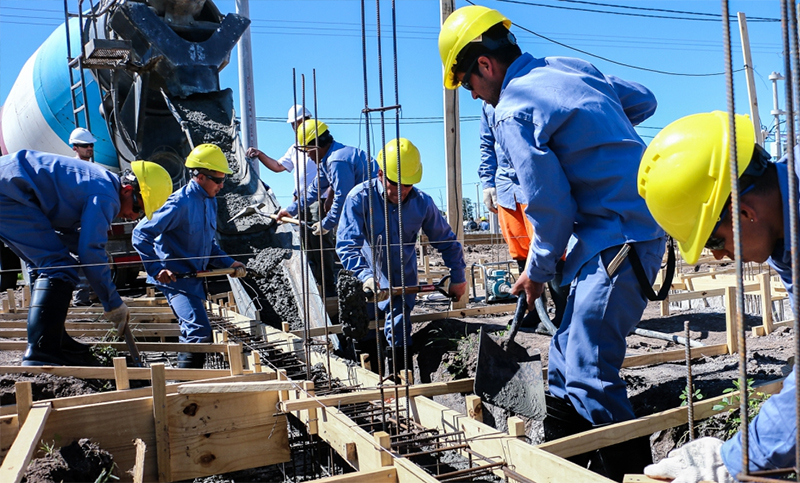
(258, 209)
(441, 287)
(507, 376)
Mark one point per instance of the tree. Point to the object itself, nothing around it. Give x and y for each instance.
(468, 210)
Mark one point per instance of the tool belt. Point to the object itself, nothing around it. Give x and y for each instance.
(629, 251)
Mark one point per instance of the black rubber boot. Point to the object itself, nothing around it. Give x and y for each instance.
(389, 369)
(48, 311)
(78, 352)
(191, 360)
(563, 420)
(629, 457)
(559, 293)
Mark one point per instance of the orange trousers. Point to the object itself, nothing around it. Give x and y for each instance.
(517, 230)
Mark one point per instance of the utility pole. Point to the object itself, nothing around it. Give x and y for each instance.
(776, 113)
(247, 96)
(751, 83)
(452, 150)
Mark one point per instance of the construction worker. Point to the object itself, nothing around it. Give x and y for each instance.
(179, 238)
(685, 179)
(567, 130)
(305, 176)
(484, 225)
(52, 206)
(419, 212)
(341, 168)
(82, 143)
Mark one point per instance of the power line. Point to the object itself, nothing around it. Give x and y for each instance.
(650, 9)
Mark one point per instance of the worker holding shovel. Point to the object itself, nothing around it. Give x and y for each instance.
(395, 186)
(685, 179)
(180, 238)
(52, 206)
(567, 130)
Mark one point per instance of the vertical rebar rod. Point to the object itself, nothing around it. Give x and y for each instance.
(303, 208)
(689, 384)
(737, 236)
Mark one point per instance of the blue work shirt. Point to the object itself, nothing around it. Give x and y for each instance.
(79, 199)
(419, 213)
(341, 168)
(568, 131)
(772, 433)
(180, 236)
(495, 169)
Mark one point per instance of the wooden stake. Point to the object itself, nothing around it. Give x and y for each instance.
(12, 300)
(255, 357)
(516, 427)
(365, 362)
(766, 301)
(286, 327)
(26, 296)
(312, 412)
(24, 400)
(6, 306)
(121, 373)
(283, 376)
(161, 422)
(138, 467)
(474, 408)
(731, 329)
(385, 458)
(235, 358)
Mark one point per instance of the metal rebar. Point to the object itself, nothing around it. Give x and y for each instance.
(468, 471)
(433, 451)
(689, 385)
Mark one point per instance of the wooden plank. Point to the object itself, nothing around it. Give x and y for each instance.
(24, 391)
(731, 325)
(640, 479)
(138, 373)
(121, 373)
(759, 331)
(12, 300)
(311, 414)
(474, 407)
(138, 467)
(237, 387)
(235, 359)
(14, 345)
(673, 355)
(766, 302)
(384, 454)
(336, 400)
(219, 433)
(95, 333)
(16, 461)
(161, 423)
(516, 427)
(714, 292)
(617, 433)
(384, 475)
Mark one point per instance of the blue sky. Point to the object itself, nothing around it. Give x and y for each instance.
(325, 36)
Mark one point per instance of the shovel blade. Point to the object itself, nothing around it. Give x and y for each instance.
(510, 378)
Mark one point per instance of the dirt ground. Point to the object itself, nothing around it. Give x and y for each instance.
(447, 349)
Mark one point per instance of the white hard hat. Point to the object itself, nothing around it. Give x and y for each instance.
(297, 113)
(81, 136)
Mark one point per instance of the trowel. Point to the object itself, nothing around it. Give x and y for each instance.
(507, 376)
(258, 209)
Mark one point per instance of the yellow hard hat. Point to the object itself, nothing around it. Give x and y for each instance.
(208, 156)
(310, 130)
(410, 163)
(684, 175)
(155, 185)
(460, 28)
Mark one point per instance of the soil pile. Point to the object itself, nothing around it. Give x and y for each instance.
(45, 386)
(80, 461)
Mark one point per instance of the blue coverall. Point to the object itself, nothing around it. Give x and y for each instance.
(568, 132)
(355, 251)
(51, 206)
(341, 168)
(180, 238)
(773, 431)
(495, 171)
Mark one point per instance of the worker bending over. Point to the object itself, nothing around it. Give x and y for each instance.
(419, 212)
(340, 168)
(567, 130)
(179, 238)
(685, 179)
(303, 179)
(52, 206)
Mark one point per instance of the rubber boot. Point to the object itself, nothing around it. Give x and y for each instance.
(390, 370)
(78, 352)
(629, 457)
(48, 311)
(563, 420)
(191, 360)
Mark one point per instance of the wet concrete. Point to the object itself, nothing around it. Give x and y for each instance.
(352, 306)
(274, 288)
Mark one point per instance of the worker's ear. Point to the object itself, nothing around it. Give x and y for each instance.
(126, 198)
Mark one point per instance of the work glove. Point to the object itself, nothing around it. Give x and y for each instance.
(370, 286)
(697, 461)
(119, 316)
(241, 271)
(490, 199)
(317, 229)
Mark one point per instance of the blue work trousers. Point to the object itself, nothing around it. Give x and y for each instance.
(587, 352)
(30, 235)
(397, 320)
(187, 303)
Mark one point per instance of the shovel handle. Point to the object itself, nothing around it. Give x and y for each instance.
(287, 219)
(519, 314)
(207, 273)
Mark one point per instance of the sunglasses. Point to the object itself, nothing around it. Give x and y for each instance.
(467, 74)
(84, 145)
(394, 183)
(216, 179)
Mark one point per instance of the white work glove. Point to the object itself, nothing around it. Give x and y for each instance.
(317, 229)
(119, 316)
(371, 286)
(490, 199)
(241, 270)
(697, 461)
